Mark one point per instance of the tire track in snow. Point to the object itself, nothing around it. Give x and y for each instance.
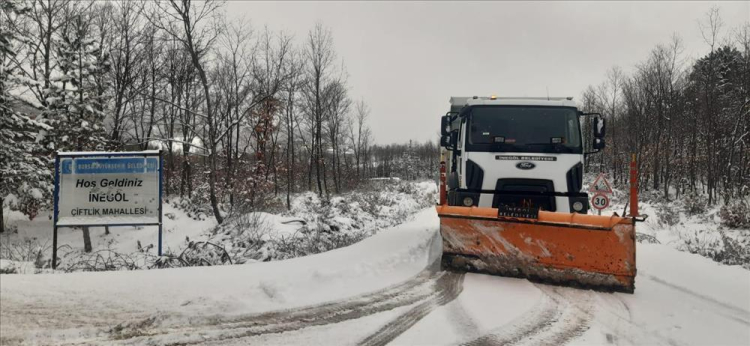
(735, 313)
(542, 314)
(625, 328)
(427, 287)
(583, 301)
(561, 315)
(447, 288)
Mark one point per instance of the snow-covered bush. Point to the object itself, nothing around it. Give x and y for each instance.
(651, 196)
(244, 235)
(7, 267)
(195, 254)
(646, 238)
(735, 214)
(720, 246)
(27, 250)
(694, 204)
(195, 209)
(9, 227)
(700, 242)
(107, 259)
(317, 241)
(322, 225)
(204, 253)
(667, 214)
(736, 250)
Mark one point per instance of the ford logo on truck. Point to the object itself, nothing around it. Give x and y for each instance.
(525, 165)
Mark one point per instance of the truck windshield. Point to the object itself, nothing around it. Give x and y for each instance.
(524, 129)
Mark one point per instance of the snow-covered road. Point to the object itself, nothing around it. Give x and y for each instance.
(385, 289)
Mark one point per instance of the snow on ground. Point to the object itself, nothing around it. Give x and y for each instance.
(389, 202)
(75, 304)
(686, 223)
(123, 240)
(16, 267)
(680, 299)
(311, 226)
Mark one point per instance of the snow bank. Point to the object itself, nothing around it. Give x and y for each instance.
(16, 267)
(314, 225)
(390, 257)
(311, 226)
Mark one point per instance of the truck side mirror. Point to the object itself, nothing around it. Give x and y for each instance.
(445, 125)
(445, 141)
(600, 128)
(598, 143)
(449, 141)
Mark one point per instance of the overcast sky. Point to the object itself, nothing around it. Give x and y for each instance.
(407, 58)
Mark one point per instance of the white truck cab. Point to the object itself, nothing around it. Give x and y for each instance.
(516, 152)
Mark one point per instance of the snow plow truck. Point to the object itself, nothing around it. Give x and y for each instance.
(512, 200)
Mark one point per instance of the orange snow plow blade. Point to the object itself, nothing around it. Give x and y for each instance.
(571, 249)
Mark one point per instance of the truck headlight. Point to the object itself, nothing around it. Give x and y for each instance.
(577, 206)
(468, 201)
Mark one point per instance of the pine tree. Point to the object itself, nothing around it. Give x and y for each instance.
(75, 99)
(24, 173)
(75, 102)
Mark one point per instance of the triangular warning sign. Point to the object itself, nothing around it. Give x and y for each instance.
(601, 185)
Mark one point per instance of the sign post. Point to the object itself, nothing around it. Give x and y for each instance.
(107, 189)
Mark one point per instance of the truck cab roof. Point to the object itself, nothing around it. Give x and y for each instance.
(458, 102)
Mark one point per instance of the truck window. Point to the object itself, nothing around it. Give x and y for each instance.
(524, 128)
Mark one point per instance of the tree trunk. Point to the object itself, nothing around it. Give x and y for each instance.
(319, 158)
(310, 169)
(333, 167)
(211, 137)
(86, 239)
(290, 150)
(2, 216)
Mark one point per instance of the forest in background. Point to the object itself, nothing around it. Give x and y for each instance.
(241, 113)
(687, 121)
(244, 113)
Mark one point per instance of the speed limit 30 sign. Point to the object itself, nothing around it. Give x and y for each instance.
(600, 201)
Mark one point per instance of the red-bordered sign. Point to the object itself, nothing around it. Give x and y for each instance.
(601, 185)
(600, 201)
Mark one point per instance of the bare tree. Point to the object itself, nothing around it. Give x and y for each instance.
(359, 135)
(126, 52)
(337, 108)
(190, 24)
(319, 58)
(234, 76)
(269, 74)
(293, 69)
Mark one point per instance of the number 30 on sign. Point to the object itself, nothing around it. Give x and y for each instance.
(600, 201)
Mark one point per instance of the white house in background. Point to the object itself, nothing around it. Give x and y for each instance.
(348, 152)
(196, 145)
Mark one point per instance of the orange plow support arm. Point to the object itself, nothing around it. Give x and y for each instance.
(586, 250)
